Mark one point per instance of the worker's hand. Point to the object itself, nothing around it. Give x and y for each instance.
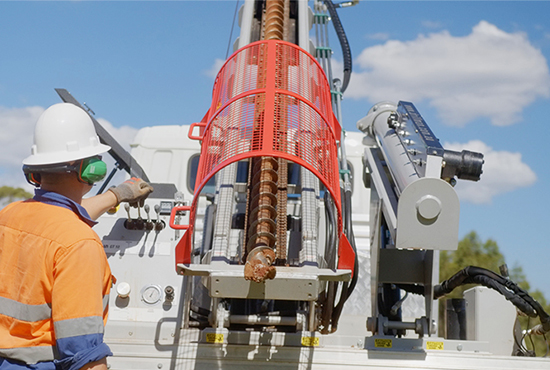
(133, 191)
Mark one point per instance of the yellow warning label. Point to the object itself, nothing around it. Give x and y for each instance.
(214, 338)
(382, 343)
(310, 341)
(434, 345)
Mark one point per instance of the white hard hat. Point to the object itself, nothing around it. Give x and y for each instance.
(64, 133)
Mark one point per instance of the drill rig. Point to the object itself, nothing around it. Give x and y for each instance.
(270, 139)
(250, 252)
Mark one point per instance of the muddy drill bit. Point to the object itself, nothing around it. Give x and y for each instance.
(262, 227)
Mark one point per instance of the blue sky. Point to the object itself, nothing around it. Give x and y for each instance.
(477, 71)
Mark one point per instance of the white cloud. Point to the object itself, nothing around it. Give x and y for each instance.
(432, 24)
(488, 73)
(497, 169)
(124, 135)
(382, 36)
(213, 71)
(16, 138)
(15, 142)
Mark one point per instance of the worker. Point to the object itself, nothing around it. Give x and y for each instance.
(54, 275)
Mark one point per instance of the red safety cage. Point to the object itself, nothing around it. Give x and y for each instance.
(271, 98)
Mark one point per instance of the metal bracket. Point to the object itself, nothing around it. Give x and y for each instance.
(291, 283)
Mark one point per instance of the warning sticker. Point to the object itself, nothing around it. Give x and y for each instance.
(310, 341)
(214, 338)
(382, 343)
(434, 345)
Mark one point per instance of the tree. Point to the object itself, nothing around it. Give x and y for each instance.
(472, 251)
(9, 194)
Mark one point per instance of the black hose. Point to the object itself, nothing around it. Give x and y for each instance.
(338, 308)
(199, 310)
(347, 289)
(346, 50)
(330, 246)
(351, 239)
(511, 291)
(412, 288)
(330, 258)
(516, 300)
(328, 307)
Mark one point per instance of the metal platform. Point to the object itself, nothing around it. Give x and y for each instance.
(222, 349)
(291, 283)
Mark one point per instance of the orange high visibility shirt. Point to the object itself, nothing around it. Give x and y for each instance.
(54, 284)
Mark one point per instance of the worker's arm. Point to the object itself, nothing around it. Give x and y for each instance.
(133, 191)
(81, 286)
(99, 204)
(97, 365)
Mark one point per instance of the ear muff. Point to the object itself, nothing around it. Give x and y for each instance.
(92, 170)
(89, 170)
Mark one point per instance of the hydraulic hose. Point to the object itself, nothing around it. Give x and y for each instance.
(347, 289)
(346, 50)
(511, 291)
(331, 246)
(338, 308)
(351, 238)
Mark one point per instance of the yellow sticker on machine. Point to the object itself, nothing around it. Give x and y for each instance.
(310, 341)
(434, 345)
(214, 338)
(382, 343)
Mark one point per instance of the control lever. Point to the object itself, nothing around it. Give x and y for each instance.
(159, 225)
(149, 225)
(130, 225)
(140, 224)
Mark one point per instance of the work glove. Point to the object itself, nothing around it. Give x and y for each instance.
(133, 191)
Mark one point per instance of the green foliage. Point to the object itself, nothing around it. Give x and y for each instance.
(9, 194)
(471, 252)
(474, 252)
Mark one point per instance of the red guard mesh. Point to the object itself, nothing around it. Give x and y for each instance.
(271, 98)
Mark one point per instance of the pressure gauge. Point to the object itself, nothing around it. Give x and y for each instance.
(151, 294)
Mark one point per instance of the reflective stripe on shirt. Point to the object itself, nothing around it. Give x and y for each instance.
(30, 355)
(32, 313)
(105, 301)
(79, 326)
(25, 312)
